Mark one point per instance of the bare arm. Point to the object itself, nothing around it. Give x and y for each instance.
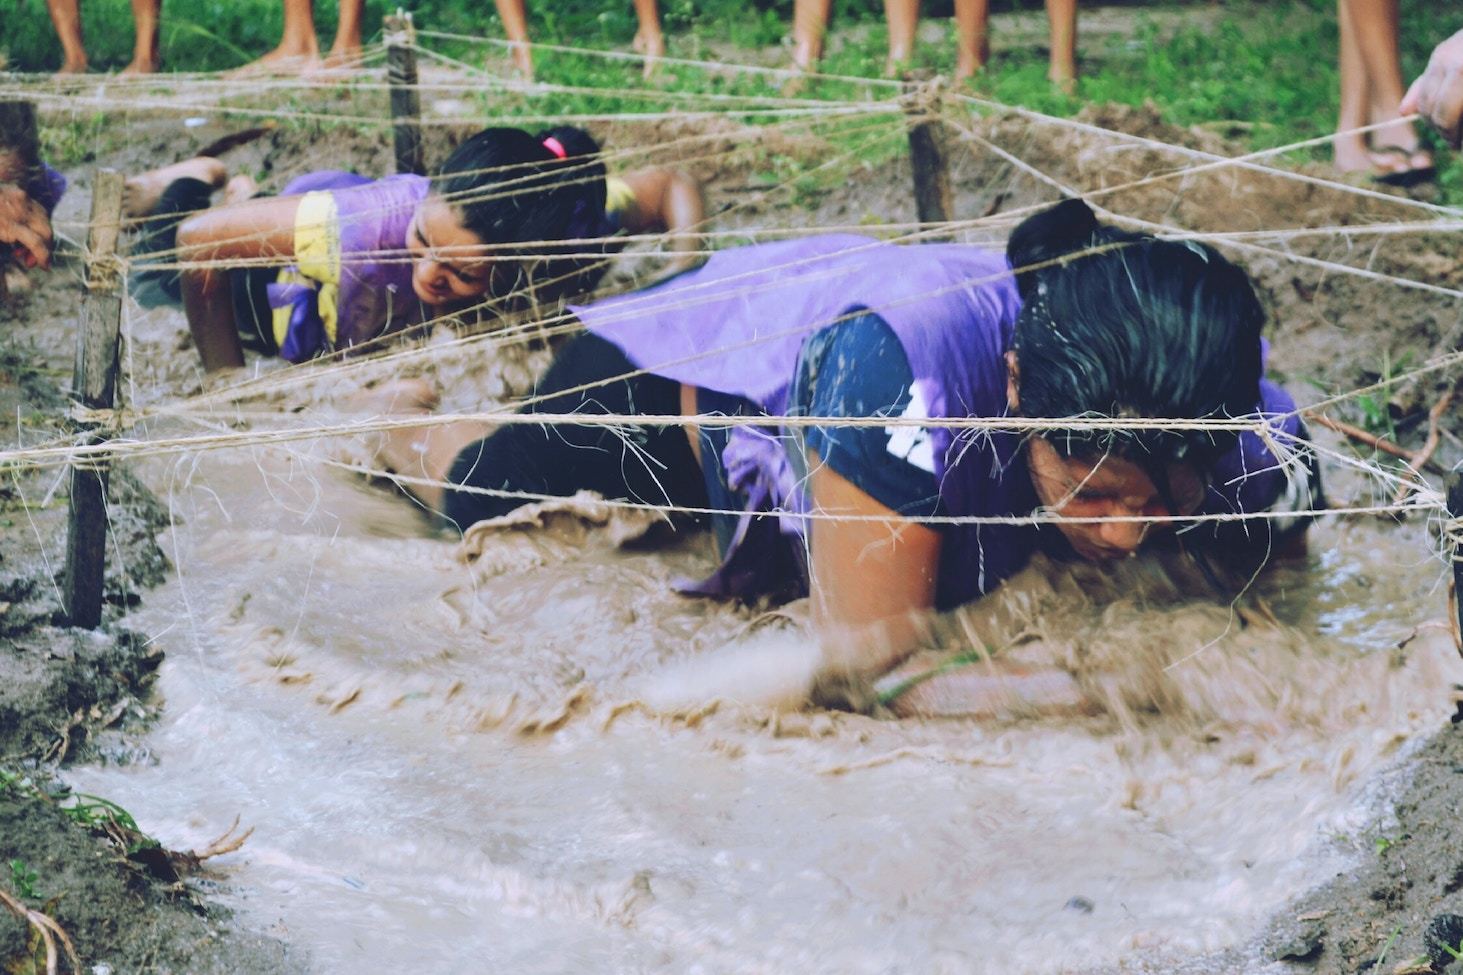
(668, 201)
(258, 228)
(25, 226)
(873, 582)
(1438, 94)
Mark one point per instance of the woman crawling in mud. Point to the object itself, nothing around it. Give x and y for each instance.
(1103, 324)
(371, 257)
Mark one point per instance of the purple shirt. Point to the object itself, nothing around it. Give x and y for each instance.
(371, 294)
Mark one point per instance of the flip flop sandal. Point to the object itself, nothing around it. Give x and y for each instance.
(1402, 177)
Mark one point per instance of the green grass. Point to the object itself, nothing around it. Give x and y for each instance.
(1269, 68)
(23, 880)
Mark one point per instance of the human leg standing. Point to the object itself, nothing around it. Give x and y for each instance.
(145, 58)
(1349, 148)
(66, 18)
(649, 40)
(515, 26)
(1395, 156)
(346, 51)
(809, 22)
(903, 20)
(972, 39)
(1062, 21)
(298, 50)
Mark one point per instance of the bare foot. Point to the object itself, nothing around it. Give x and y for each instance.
(240, 188)
(966, 68)
(140, 194)
(523, 61)
(340, 60)
(141, 66)
(1063, 78)
(653, 47)
(71, 68)
(806, 55)
(281, 61)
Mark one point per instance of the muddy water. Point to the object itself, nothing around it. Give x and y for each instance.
(440, 755)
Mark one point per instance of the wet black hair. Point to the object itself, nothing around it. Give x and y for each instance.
(1118, 324)
(508, 186)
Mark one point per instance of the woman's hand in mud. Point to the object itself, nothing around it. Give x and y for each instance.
(1438, 93)
(24, 226)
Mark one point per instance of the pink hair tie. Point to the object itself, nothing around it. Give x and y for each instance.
(556, 147)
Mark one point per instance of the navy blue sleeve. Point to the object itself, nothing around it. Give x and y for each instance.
(858, 368)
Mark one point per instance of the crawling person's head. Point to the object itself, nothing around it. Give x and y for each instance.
(1119, 325)
(504, 186)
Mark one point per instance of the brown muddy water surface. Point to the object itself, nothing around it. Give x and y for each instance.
(439, 748)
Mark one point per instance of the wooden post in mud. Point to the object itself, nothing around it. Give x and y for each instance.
(927, 154)
(406, 100)
(20, 159)
(95, 388)
(1453, 536)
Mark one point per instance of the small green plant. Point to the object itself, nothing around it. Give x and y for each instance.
(23, 880)
(1382, 955)
(105, 816)
(1384, 843)
(90, 812)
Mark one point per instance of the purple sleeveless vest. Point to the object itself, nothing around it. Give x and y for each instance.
(737, 325)
(372, 296)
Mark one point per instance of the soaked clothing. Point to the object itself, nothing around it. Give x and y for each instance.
(51, 187)
(832, 326)
(647, 465)
(351, 279)
(741, 326)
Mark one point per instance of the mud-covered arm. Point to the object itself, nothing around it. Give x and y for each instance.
(263, 228)
(25, 226)
(667, 201)
(872, 582)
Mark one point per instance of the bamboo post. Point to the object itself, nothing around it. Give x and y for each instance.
(95, 388)
(20, 159)
(927, 153)
(406, 100)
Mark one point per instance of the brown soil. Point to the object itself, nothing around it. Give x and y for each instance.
(61, 689)
(1331, 333)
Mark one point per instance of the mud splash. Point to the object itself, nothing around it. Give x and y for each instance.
(446, 754)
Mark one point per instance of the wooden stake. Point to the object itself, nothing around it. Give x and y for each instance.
(96, 389)
(1453, 530)
(927, 154)
(20, 160)
(406, 100)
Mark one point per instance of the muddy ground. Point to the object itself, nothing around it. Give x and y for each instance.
(62, 690)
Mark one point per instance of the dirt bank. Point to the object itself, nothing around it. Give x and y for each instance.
(64, 693)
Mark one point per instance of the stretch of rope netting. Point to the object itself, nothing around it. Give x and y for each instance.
(860, 125)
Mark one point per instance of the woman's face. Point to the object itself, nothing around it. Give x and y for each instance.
(1112, 487)
(449, 264)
